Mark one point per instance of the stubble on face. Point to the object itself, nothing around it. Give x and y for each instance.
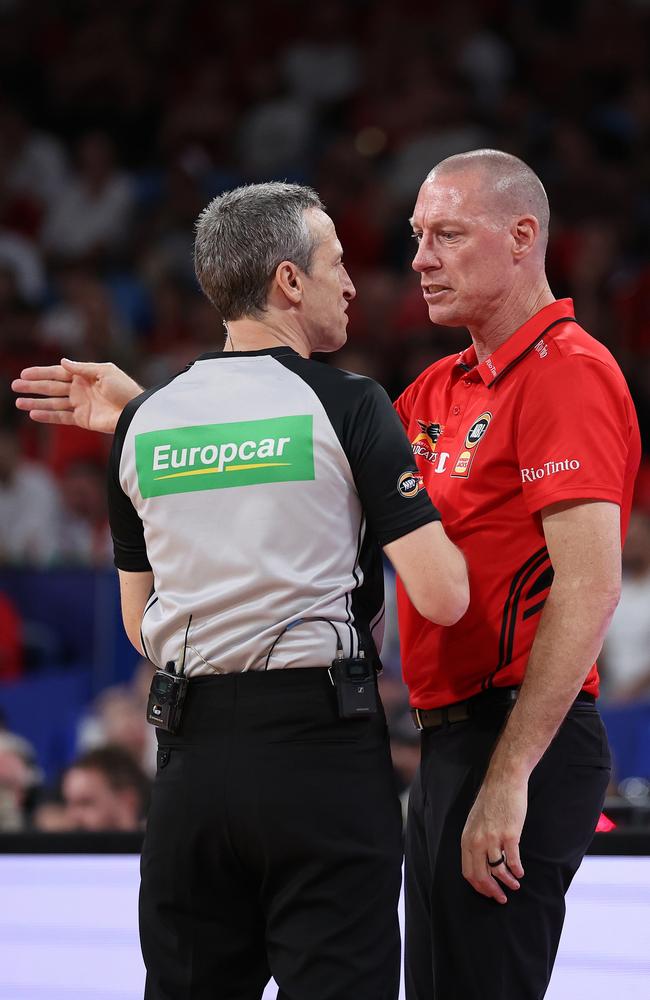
(464, 240)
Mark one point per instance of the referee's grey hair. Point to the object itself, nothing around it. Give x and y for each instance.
(243, 235)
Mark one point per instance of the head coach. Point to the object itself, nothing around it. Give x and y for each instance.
(528, 444)
(249, 497)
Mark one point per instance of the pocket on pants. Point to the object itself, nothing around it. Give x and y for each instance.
(588, 745)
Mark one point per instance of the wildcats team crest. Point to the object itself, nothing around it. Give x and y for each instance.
(473, 438)
(424, 443)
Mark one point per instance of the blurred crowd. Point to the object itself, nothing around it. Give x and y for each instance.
(118, 123)
(106, 786)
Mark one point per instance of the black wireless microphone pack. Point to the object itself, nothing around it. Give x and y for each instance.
(166, 697)
(355, 680)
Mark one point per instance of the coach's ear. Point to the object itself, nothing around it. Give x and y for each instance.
(525, 235)
(287, 284)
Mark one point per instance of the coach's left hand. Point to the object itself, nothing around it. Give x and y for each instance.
(493, 828)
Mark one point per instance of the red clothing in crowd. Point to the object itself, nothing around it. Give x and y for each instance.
(11, 647)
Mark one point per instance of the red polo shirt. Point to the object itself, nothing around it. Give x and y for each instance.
(547, 417)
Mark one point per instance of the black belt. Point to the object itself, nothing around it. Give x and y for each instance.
(460, 711)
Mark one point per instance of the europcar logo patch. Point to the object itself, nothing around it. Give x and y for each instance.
(472, 439)
(409, 484)
(218, 456)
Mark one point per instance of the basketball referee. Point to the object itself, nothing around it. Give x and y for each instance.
(249, 497)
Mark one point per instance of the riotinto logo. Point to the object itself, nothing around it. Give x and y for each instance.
(549, 469)
(218, 456)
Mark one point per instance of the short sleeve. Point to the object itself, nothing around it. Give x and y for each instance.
(404, 403)
(573, 434)
(389, 484)
(129, 549)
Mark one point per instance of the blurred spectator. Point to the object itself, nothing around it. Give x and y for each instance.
(18, 316)
(91, 216)
(106, 790)
(11, 644)
(625, 660)
(18, 777)
(202, 118)
(35, 161)
(29, 502)
(83, 535)
(483, 58)
(83, 320)
(23, 275)
(117, 717)
(274, 135)
(51, 816)
(168, 229)
(324, 66)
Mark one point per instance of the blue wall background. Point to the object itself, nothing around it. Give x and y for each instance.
(76, 646)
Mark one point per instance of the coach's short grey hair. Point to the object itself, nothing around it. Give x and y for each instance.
(243, 235)
(517, 186)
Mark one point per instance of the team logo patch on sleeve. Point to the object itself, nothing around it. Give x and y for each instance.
(472, 440)
(218, 456)
(409, 484)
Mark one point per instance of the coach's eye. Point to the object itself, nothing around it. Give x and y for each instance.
(417, 237)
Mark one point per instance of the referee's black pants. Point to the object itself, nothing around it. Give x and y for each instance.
(273, 847)
(461, 945)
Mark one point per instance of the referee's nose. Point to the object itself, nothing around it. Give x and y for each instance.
(348, 289)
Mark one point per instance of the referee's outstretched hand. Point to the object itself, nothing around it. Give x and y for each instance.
(81, 393)
(492, 832)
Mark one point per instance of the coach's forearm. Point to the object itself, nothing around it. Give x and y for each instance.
(569, 638)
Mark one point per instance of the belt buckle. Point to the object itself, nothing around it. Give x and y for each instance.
(417, 719)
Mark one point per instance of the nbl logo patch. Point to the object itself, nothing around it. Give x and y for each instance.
(472, 439)
(409, 484)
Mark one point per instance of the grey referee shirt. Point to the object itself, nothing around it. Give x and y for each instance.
(258, 487)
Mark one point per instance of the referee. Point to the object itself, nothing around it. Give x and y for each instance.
(249, 497)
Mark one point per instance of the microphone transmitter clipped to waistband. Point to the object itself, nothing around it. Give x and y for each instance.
(355, 680)
(167, 693)
(166, 698)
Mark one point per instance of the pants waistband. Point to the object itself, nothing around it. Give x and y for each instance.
(217, 685)
(461, 711)
(250, 701)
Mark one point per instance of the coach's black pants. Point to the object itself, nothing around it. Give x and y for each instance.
(273, 847)
(459, 944)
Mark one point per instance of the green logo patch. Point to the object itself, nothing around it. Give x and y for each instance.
(216, 456)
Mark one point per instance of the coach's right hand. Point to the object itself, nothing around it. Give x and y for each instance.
(81, 393)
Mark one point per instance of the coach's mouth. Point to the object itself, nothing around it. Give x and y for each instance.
(432, 293)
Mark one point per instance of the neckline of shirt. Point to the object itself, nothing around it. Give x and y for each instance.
(273, 352)
(505, 357)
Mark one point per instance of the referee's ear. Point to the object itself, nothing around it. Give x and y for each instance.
(288, 283)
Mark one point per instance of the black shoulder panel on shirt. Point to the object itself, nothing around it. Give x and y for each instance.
(131, 408)
(126, 527)
(372, 437)
(343, 394)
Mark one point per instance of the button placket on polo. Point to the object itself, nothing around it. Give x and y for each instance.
(461, 399)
